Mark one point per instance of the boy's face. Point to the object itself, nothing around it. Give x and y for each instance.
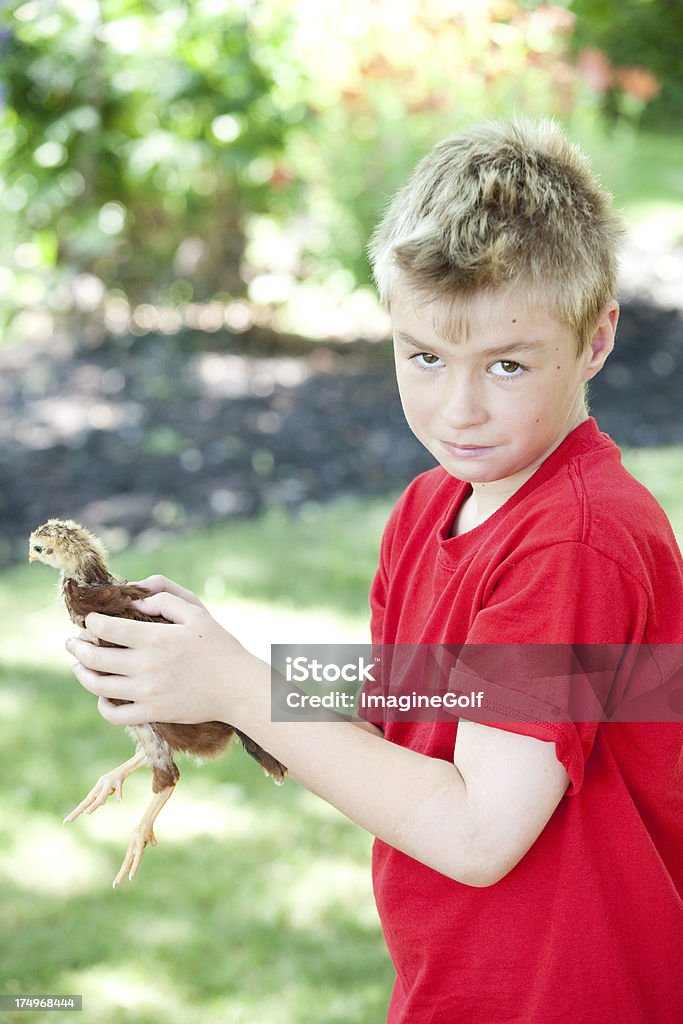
(492, 406)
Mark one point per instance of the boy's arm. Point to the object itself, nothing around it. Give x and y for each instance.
(472, 820)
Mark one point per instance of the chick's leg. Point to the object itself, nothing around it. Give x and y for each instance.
(110, 782)
(143, 834)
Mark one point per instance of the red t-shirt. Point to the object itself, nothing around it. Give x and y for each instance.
(588, 927)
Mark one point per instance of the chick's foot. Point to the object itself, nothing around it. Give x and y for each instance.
(143, 835)
(110, 782)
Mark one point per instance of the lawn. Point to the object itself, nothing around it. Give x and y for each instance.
(257, 904)
(642, 169)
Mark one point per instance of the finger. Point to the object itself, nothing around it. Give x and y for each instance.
(108, 660)
(100, 685)
(122, 714)
(168, 606)
(162, 585)
(85, 634)
(123, 632)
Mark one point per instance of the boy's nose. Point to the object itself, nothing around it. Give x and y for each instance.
(463, 405)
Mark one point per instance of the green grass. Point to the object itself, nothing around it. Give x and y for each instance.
(643, 170)
(257, 904)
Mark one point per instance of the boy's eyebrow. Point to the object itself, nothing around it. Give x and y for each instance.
(495, 350)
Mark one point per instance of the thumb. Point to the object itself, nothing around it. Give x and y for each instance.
(161, 584)
(166, 606)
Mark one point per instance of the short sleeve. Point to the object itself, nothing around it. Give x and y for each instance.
(561, 596)
(573, 744)
(518, 691)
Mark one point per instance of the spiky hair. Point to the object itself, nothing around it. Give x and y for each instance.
(501, 206)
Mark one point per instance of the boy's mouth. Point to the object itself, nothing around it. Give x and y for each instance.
(468, 451)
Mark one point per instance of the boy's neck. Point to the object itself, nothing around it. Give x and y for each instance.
(487, 498)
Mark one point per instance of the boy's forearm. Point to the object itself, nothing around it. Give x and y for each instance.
(415, 803)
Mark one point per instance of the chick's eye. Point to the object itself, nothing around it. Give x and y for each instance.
(508, 368)
(38, 549)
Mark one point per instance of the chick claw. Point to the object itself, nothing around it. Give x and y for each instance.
(136, 848)
(110, 782)
(143, 834)
(99, 794)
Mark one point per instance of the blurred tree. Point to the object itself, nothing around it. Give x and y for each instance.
(394, 76)
(634, 50)
(159, 156)
(134, 136)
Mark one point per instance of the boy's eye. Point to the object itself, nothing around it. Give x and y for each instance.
(508, 368)
(427, 359)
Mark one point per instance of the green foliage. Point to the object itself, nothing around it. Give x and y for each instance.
(134, 137)
(642, 34)
(159, 157)
(404, 76)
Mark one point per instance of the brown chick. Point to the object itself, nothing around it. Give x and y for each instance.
(88, 586)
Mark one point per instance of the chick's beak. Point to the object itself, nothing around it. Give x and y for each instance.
(32, 558)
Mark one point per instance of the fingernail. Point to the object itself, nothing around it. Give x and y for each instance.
(70, 646)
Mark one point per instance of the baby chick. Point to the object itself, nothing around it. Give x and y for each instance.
(88, 586)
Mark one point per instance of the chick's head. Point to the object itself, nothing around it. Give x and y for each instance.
(64, 545)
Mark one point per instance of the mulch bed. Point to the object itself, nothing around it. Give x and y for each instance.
(142, 437)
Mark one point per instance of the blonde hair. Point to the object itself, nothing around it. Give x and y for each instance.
(500, 206)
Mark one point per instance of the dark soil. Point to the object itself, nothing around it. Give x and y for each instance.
(141, 437)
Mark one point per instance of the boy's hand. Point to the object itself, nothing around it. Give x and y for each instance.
(179, 671)
(162, 585)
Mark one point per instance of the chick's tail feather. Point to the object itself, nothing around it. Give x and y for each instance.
(270, 765)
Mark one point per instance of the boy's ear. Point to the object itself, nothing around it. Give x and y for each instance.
(602, 340)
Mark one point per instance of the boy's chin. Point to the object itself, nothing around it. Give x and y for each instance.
(475, 472)
(470, 474)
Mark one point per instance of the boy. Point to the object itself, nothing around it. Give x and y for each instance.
(524, 872)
